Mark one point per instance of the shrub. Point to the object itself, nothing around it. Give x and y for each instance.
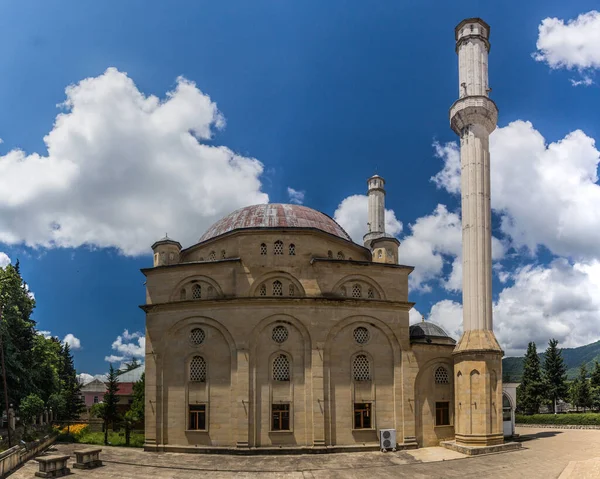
(576, 419)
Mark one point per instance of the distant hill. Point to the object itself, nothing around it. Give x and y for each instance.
(512, 368)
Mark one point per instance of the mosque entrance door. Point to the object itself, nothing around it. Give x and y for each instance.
(507, 416)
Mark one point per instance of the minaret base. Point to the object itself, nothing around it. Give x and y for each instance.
(478, 390)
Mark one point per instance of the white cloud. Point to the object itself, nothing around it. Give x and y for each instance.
(296, 197)
(353, 215)
(560, 300)
(4, 260)
(46, 334)
(435, 241)
(72, 341)
(585, 81)
(448, 314)
(136, 348)
(571, 45)
(414, 316)
(546, 194)
(122, 168)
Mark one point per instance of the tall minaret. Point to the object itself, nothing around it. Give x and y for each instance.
(384, 247)
(478, 356)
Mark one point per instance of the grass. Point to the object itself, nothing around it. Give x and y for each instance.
(80, 433)
(571, 419)
(114, 438)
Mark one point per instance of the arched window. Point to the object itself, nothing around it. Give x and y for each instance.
(182, 294)
(442, 376)
(196, 292)
(212, 256)
(262, 290)
(278, 247)
(340, 255)
(156, 256)
(277, 288)
(292, 250)
(171, 256)
(329, 254)
(361, 369)
(292, 290)
(198, 369)
(263, 249)
(281, 368)
(356, 291)
(223, 254)
(370, 293)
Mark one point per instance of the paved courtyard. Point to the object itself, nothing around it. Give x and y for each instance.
(545, 454)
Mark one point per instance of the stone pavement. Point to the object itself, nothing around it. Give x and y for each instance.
(545, 454)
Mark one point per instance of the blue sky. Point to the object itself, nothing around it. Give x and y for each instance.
(314, 96)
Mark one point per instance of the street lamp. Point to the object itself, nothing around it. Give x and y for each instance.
(6, 405)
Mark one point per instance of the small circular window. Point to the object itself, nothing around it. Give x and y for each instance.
(280, 334)
(361, 335)
(197, 336)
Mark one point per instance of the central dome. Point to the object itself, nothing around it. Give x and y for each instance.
(275, 216)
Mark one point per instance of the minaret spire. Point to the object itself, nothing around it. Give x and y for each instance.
(478, 357)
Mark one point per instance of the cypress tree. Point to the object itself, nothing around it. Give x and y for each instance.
(555, 374)
(71, 387)
(583, 393)
(530, 394)
(109, 409)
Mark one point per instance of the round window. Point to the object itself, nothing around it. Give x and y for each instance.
(361, 335)
(197, 336)
(280, 334)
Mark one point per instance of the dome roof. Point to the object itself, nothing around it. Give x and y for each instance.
(427, 329)
(275, 216)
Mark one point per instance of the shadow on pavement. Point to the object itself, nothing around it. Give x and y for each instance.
(537, 435)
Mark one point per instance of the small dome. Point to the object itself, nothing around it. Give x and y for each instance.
(427, 329)
(275, 216)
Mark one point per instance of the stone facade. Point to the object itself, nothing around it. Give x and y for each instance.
(287, 336)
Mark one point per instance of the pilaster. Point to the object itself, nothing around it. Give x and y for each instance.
(318, 396)
(242, 390)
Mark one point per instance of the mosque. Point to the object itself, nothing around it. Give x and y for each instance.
(277, 331)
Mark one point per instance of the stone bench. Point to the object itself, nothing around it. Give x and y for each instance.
(87, 458)
(52, 466)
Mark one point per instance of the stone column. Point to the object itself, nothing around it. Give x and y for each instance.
(318, 396)
(478, 356)
(153, 393)
(243, 405)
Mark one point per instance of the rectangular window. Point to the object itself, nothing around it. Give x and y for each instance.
(362, 415)
(95, 399)
(281, 417)
(442, 413)
(197, 417)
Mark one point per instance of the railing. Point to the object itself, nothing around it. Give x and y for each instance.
(17, 455)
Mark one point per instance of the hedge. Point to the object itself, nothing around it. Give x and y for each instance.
(574, 419)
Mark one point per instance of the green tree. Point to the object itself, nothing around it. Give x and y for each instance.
(530, 394)
(47, 357)
(137, 410)
(57, 403)
(30, 407)
(71, 387)
(17, 329)
(131, 365)
(580, 391)
(555, 374)
(108, 411)
(595, 385)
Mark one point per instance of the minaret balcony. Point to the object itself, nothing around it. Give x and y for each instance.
(473, 110)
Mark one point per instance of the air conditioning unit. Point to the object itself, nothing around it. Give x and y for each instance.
(387, 439)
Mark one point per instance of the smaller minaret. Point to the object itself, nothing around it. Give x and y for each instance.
(166, 251)
(384, 247)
